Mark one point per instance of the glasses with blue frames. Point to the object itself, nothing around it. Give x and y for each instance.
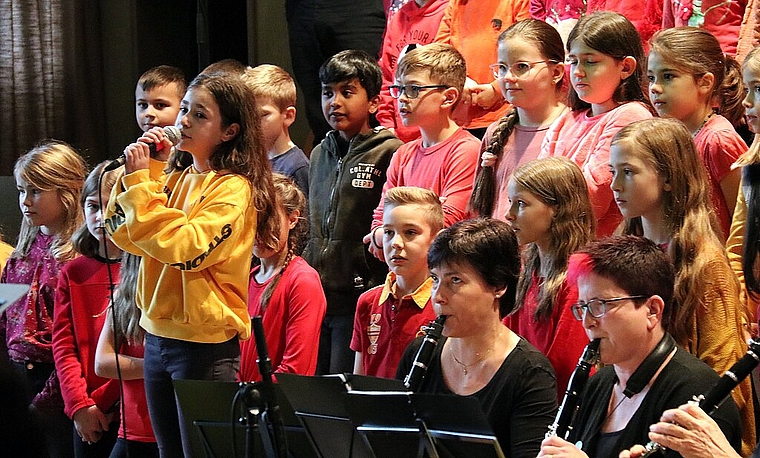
(597, 307)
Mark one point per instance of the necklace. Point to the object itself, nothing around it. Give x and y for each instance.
(479, 360)
(696, 132)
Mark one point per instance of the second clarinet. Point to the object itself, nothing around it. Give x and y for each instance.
(570, 403)
(433, 332)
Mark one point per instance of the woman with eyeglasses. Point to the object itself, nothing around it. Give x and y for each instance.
(625, 299)
(474, 265)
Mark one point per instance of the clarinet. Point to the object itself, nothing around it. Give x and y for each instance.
(416, 374)
(563, 422)
(721, 390)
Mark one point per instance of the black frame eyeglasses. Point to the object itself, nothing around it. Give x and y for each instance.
(597, 307)
(518, 69)
(412, 91)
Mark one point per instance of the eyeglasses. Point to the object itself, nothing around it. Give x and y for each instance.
(597, 307)
(518, 69)
(412, 91)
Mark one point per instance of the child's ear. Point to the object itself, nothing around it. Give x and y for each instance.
(559, 72)
(293, 218)
(374, 103)
(627, 67)
(451, 95)
(231, 132)
(705, 83)
(290, 115)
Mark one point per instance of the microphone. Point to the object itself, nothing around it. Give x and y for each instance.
(171, 132)
(268, 397)
(433, 333)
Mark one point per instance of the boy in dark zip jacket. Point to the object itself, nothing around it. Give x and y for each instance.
(346, 179)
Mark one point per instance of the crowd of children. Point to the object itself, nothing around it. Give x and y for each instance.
(478, 129)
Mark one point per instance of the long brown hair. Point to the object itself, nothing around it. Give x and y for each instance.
(667, 145)
(549, 43)
(559, 183)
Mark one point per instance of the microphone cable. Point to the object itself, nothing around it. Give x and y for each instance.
(112, 288)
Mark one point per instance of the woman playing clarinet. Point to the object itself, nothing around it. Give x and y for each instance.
(475, 265)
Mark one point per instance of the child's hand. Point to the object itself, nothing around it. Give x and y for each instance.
(138, 157)
(90, 423)
(485, 96)
(374, 246)
(162, 145)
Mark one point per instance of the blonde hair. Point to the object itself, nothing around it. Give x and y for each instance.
(53, 166)
(432, 211)
(667, 145)
(443, 63)
(752, 155)
(270, 82)
(558, 183)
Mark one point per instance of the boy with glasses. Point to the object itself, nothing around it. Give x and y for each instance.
(429, 83)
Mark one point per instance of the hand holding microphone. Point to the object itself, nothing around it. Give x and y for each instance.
(148, 146)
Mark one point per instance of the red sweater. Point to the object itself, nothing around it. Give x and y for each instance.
(560, 337)
(292, 322)
(81, 302)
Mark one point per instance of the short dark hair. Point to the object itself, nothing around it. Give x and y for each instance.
(635, 264)
(353, 64)
(487, 245)
(161, 76)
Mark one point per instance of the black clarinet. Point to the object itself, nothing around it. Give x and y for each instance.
(563, 422)
(416, 374)
(721, 390)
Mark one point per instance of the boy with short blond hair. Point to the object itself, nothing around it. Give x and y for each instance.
(390, 316)
(275, 94)
(346, 177)
(158, 94)
(429, 83)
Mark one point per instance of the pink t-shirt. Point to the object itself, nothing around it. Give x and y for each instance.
(586, 140)
(523, 146)
(447, 168)
(719, 146)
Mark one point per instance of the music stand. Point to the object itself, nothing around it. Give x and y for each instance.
(320, 404)
(10, 293)
(207, 405)
(406, 424)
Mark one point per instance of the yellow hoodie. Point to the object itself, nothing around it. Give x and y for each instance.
(194, 232)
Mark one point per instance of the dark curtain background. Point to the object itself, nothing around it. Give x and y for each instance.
(51, 79)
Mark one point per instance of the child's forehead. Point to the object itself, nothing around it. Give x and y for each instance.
(417, 75)
(353, 83)
(168, 91)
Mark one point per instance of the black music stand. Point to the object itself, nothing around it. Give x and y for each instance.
(10, 293)
(320, 403)
(419, 424)
(207, 405)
